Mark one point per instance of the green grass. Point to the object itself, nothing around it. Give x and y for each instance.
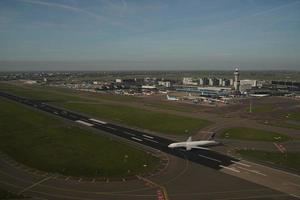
(261, 108)
(145, 119)
(50, 144)
(289, 160)
(294, 116)
(8, 195)
(169, 106)
(137, 117)
(43, 93)
(287, 125)
(241, 133)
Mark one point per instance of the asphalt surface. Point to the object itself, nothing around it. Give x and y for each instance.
(206, 158)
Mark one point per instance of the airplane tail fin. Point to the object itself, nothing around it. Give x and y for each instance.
(212, 136)
(189, 139)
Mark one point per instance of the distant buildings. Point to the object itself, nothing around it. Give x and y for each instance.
(189, 81)
(213, 82)
(226, 83)
(203, 81)
(253, 83)
(118, 80)
(164, 83)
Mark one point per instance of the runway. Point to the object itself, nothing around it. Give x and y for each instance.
(204, 157)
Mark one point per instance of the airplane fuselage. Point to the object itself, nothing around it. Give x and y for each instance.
(193, 144)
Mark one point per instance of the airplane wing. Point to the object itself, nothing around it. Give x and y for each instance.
(203, 148)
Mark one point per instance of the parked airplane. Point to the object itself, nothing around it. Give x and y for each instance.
(189, 144)
(172, 98)
(259, 95)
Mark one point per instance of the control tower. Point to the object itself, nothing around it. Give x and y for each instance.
(236, 79)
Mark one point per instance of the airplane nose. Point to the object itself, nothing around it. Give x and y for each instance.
(171, 146)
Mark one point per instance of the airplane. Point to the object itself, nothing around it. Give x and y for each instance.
(259, 95)
(189, 144)
(172, 98)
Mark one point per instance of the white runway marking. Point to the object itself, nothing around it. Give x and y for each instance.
(293, 195)
(84, 123)
(137, 139)
(209, 158)
(147, 136)
(150, 140)
(111, 128)
(239, 163)
(98, 121)
(278, 170)
(128, 133)
(253, 171)
(229, 168)
(35, 184)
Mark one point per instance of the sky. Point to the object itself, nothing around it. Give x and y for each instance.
(149, 35)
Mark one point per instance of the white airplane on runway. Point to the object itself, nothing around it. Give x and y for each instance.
(189, 144)
(172, 98)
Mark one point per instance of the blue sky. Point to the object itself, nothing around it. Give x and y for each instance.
(149, 34)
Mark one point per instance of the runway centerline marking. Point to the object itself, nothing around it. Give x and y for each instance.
(35, 184)
(150, 140)
(137, 139)
(128, 133)
(84, 123)
(111, 128)
(98, 121)
(253, 171)
(209, 158)
(239, 163)
(147, 136)
(229, 168)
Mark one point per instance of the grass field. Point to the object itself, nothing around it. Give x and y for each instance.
(43, 93)
(294, 116)
(5, 195)
(261, 108)
(241, 133)
(287, 125)
(50, 144)
(170, 106)
(128, 115)
(288, 160)
(145, 119)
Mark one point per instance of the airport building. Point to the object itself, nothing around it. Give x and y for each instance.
(253, 83)
(189, 81)
(213, 82)
(236, 79)
(220, 81)
(204, 81)
(246, 85)
(206, 91)
(225, 83)
(164, 83)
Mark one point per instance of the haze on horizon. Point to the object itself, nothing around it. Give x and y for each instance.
(149, 35)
